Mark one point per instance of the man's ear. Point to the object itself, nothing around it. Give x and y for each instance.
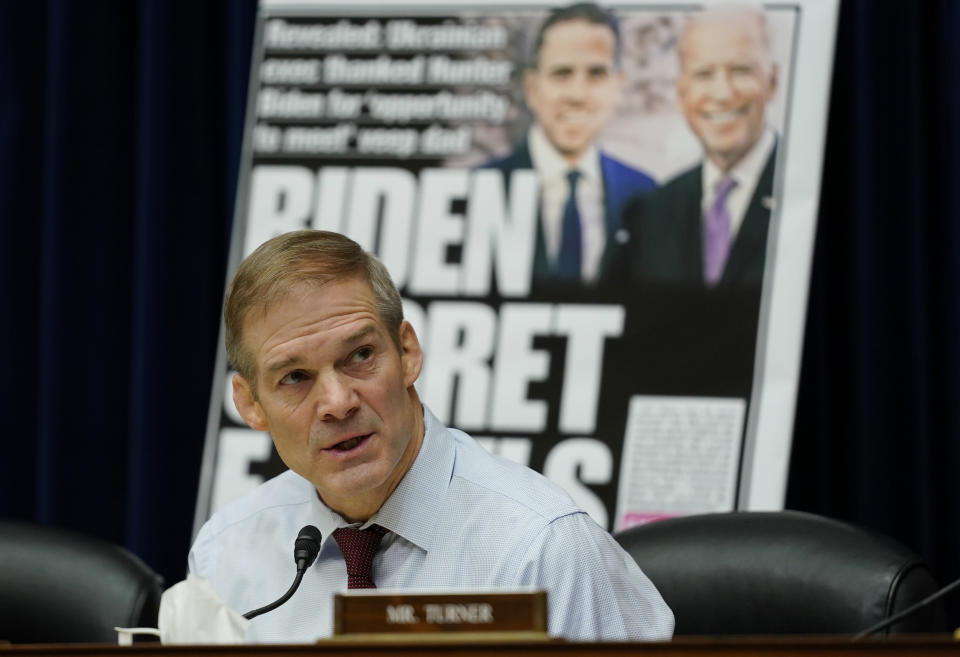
(619, 78)
(247, 405)
(411, 355)
(530, 87)
(681, 86)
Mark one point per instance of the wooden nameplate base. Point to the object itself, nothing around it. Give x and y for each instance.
(396, 615)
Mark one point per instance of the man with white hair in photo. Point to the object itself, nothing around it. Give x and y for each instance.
(708, 225)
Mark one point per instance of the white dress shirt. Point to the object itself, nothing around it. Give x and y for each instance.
(461, 518)
(552, 170)
(746, 172)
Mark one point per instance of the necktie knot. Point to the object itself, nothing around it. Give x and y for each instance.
(359, 547)
(723, 189)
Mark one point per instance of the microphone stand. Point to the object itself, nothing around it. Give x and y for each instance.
(305, 551)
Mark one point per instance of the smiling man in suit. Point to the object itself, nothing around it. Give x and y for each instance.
(708, 226)
(571, 87)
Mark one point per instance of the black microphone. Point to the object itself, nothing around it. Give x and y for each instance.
(305, 551)
(909, 611)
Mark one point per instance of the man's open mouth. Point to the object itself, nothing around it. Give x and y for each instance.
(724, 117)
(576, 116)
(349, 444)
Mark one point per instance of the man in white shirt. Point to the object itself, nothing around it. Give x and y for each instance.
(571, 87)
(327, 365)
(708, 226)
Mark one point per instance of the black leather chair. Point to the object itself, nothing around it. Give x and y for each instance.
(781, 572)
(58, 586)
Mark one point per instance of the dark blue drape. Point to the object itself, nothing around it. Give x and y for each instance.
(120, 132)
(877, 431)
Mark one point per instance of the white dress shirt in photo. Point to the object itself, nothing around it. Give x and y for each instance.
(746, 172)
(552, 169)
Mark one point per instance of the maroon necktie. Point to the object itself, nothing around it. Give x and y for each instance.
(358, 547)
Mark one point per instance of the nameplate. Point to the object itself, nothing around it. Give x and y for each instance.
(376, 612)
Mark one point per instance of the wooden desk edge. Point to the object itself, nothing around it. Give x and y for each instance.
(756, 646)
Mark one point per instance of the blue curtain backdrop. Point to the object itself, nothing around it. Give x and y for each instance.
(120, 132)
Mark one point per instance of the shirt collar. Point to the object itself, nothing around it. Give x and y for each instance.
(412, 511)
(550, 164)
(413, 508)
(748, 169)
(325, 518)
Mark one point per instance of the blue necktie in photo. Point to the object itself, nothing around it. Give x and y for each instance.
(571, 243)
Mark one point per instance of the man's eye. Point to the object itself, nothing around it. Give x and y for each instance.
(361, 355)
(293, 377)
(599, 72)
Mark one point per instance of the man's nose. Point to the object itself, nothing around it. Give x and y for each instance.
(576, 88)
(336, 397)
(721, 85)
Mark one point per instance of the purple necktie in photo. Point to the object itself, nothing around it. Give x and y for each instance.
(716, 233)
(358, 547)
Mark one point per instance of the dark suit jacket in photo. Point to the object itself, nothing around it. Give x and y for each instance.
(666, 232)
(621, 183)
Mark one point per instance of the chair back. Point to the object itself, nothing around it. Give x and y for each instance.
(785, 572)
(58, 586)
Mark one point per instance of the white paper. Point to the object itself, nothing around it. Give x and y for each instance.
(192, 612)
(681, 455)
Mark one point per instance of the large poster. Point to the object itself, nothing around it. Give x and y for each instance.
(600, 219)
